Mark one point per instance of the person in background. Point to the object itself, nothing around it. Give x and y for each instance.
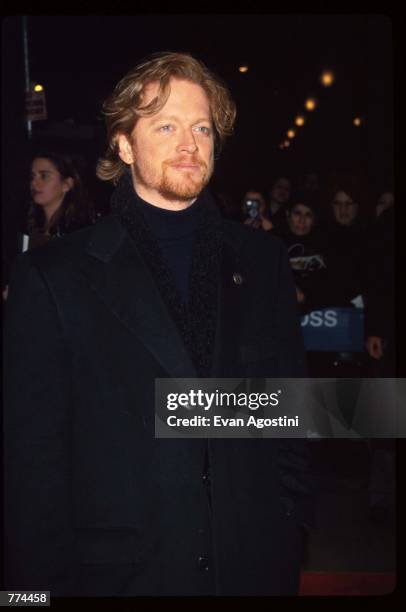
(313, 184)
(379, 293)
(59, 203)
(380, 334)
(279, 196)
(255, 211)
(385, 201)
(347, 243)
(306, 252)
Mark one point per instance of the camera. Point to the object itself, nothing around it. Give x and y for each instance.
(252, 208)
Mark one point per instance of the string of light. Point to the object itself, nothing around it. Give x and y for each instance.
(327, 78)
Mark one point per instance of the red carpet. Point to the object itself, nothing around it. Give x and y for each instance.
(341, 583)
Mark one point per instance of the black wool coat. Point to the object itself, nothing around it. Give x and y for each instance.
(95, 505)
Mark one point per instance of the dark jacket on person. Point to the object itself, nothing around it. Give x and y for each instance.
(278, 219)
(379, 291)
(380, 283)
(95, 505)
(346, 257)
(307, 258)
(60, 225)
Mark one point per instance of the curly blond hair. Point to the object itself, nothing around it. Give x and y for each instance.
(124, 106)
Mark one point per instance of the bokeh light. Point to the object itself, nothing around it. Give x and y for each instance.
(311, 104)
(327, 78)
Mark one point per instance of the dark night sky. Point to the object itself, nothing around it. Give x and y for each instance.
(79, 59)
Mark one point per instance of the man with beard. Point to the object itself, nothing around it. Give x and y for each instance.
(163, 287)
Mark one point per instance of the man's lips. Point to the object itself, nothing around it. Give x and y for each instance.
(185, 165)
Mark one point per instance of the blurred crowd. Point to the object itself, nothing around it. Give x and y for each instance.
(340, 242)
(339, 237)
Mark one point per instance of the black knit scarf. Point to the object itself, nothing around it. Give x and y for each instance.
(196, 321)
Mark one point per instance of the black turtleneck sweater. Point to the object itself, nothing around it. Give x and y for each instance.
(175, 233)
(182, 250)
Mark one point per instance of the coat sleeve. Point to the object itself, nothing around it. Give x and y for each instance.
(294, 464)
(39, 544)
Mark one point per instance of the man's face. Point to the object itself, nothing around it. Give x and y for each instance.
(281, 191)
(171, 152)
(344, 208)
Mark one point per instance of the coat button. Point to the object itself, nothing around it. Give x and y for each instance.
(206, 478)
(203, 563)
(289, 507)
(237, 278)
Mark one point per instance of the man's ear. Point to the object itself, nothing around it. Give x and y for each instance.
(124, 149)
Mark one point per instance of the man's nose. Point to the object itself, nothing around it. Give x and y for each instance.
(187, 142)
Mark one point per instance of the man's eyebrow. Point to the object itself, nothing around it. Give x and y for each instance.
(174, 118)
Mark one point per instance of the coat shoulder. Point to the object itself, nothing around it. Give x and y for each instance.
(100, 240)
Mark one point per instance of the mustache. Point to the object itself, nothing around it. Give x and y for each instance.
(185, 160)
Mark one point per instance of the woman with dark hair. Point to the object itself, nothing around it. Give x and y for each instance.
(347, 241)
(306, 252)
(59, 203)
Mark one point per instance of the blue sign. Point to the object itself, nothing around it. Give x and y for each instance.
(334, 329)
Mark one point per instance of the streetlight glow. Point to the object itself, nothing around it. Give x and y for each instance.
(357, 121)
(311, 104)
(38, 87)
(327, 78)
(291, 133)
(243, 68)
(300, 120)
(286, 143)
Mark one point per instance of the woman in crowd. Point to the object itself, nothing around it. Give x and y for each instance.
(59, 203)
(306, 252)
(347, 243)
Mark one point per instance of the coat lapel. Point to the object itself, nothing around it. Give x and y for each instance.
(229, 311)
(120, 278)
